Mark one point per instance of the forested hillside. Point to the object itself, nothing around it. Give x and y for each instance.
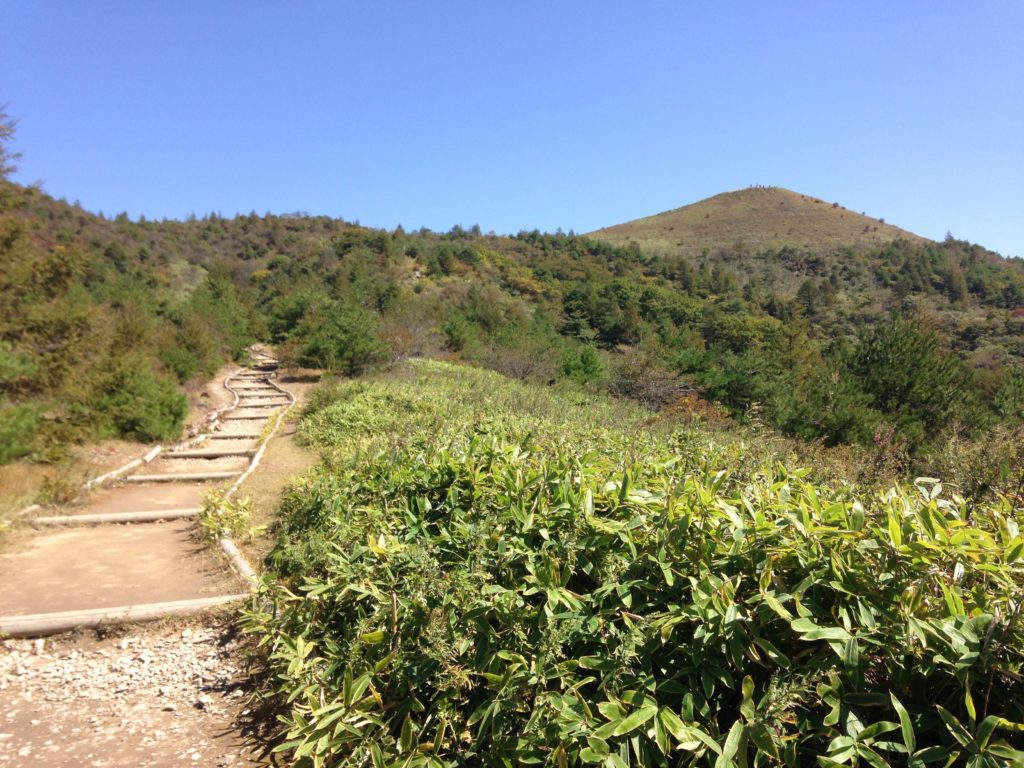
(901, 345)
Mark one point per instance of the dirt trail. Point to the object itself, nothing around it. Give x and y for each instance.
(167, 693)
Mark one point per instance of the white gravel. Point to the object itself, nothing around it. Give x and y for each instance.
(158, 696)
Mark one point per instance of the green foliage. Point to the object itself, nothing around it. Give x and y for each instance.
(909, 375)
(8, 157)
(182, 362)
(770, 327)
(18, 427)
(540, 580)
(90, 323)
(139, 404)
(340, 337)
(221, 517)
(583, 365)
(218, 302)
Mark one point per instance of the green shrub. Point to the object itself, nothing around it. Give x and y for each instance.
(138, 404)
(340, 337)
(180, 361)
(219, 516)
(583, 365)
(18, 427)
(517, 584)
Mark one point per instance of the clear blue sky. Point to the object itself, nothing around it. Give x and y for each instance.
(522, 114)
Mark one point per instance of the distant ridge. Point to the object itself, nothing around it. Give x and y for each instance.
(756, 219)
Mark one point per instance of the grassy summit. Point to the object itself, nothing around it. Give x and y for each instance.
(758, 219)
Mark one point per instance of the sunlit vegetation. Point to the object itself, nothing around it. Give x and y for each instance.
(910, 350)
(484, 572)
(95, 344)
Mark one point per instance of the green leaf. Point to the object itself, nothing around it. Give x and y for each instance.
(408, 737)
(764, 740)
(909, 739)
(734, 741)
(747, 702)
(956, 729)
(673, 724)
(377, 756)
(635, 719)
(773, 653)
(851, 654)
(611, 710)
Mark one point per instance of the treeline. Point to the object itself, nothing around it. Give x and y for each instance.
(823, 362)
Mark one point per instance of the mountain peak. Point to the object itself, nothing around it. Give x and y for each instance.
(756, 219)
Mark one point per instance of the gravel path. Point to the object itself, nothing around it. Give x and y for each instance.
(159, 695)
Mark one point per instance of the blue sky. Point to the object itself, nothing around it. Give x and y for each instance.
(522, 115)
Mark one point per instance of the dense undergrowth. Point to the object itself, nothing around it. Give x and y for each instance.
(489, 573)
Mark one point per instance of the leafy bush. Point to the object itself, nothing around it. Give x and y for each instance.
(139, 404)
(182, 362)
(340, 337)
(220, 516)
(517, 584)
(583, 365)
(909, 374)
(18, 426)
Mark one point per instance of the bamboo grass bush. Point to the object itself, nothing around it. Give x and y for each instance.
(482, 573)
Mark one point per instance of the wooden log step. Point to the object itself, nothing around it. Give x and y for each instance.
(173, 477)
(229, 436)
(243, 418)
(210, 453)
(40, 624)
(264, 397)
(117, 517)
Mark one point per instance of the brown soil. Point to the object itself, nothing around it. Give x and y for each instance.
(209, 397)
(166, 694)
(139, 498)
(123, 565)
(164, 466)
(23, 483)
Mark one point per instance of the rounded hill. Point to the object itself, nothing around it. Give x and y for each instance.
(754, 219)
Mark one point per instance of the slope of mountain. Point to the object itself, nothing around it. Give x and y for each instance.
(754, 220)
(86, 303)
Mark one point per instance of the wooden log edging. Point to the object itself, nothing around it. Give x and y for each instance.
(234, 554)
(238, 561)
(146, 458)
(210, 453)
(40, 624)
(149, 516)
(173, 477)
